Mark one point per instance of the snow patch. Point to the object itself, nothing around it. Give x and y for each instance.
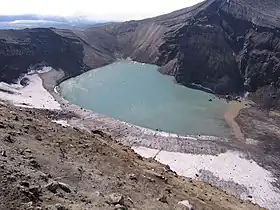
(230, 166)
(43, 70)
(251, 141)
(155, 133)
(202, 87)
(246, 95)
(62, 122)
(34, 95)
(185, 203)
(55, 90)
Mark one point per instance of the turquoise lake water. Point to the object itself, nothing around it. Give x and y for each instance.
(139, 94)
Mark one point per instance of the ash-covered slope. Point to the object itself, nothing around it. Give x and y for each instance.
(229, 46)
(48, 166)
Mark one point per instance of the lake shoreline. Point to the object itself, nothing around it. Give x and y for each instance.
(107, 123)
(231, 114)
(141, 95)
(194, 147)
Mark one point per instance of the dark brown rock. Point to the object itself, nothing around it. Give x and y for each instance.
(162, 199)
(120, 207)
(38, 137)
(24, 183)
(52, 186)
(64, 187)
(9, 138)
(34, 163)
(60, 207)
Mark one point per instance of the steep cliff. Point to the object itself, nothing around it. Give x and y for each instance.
(228, 46)
(20, 50)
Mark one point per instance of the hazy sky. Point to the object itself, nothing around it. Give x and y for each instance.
(95, 9)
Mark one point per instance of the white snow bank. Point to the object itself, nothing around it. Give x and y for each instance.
(202, 87)
(34, 95)
(55, 90)
(186, 204)
(61, 122)
(45, 69)
(147, 131)
(229, 166)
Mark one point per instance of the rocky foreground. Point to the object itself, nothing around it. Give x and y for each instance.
(44, 165)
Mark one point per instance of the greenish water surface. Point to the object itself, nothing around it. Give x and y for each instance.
(139, 94)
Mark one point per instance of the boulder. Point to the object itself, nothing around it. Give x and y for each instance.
(132, 177)
(34, 163)
(9, 138)
(64, 187)
(163, 199)
(52, 186)
(35, 190)
(24, 81)
(24, 183)
(116, 198)
(184, 205)
(120, 207)
(59, 206)
(3, 153)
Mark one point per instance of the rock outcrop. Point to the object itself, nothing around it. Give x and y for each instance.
(226, 46)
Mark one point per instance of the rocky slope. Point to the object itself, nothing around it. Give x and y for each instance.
(21, 50)
(229, 46)
(44, 165)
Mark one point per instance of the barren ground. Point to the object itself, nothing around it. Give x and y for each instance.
(36, 152)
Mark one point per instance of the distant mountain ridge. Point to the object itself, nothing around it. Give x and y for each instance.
(35, 21)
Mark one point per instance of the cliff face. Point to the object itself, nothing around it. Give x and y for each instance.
(229, 46)
(19, 50)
